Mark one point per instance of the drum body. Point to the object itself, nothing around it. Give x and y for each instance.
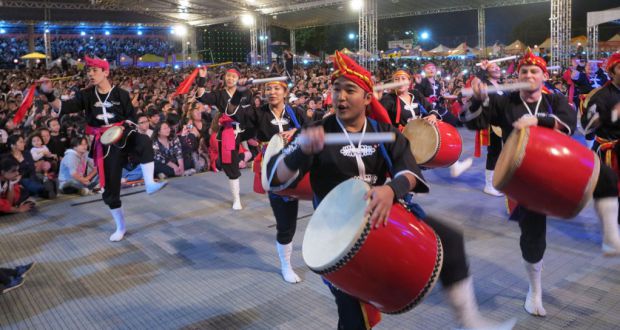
(112, 135)
(547, 171)
(433, 145)
(392, 267)
(303, 190)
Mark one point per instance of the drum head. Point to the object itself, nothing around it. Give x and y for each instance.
(112, 135)
(510, 158)
(336, 225)
(423, 140)
(275, 145)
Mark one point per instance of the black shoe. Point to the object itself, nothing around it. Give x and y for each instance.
(15, 283)
(24, 269)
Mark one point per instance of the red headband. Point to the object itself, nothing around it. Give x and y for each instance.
(612, 61)
(235, 71)
(97, 63)
(531, 59)
(346, 67)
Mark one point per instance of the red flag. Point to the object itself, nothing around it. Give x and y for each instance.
(511, 68)
(26, 104)
(187, 83)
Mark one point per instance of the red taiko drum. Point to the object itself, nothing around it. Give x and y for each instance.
(547, 171)
(392, 267)
(433, 145)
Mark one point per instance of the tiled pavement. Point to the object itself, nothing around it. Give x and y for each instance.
(190, 262)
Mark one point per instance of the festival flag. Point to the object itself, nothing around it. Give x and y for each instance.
(26, 104)
(185, 86)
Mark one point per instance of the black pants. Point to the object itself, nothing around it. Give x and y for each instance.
(493, 150)
(164, 168)
(140, 147)
(454, 269)
(534, 225)
(285, 210)
(232, 169)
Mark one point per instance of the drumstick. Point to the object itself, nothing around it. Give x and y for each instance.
(341, 138)
(554, 67)
(55, 79)
(502, 88)
(217, 64)
(503, 59)
(393, 85)
(266, 80)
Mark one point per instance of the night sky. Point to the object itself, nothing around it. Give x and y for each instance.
(528, 23)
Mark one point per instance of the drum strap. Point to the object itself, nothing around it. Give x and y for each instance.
(413, 207)
(291, 114)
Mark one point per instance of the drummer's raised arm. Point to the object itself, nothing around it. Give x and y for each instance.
(295, 159)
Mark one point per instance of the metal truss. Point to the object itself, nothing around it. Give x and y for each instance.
(560, 32)
(253, 44)
(482, 29)
(368, 34)
(592, 50)
(263, 38)
(292, 41)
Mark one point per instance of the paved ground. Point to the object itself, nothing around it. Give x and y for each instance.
(189, 262)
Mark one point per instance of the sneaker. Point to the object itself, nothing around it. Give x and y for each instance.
(15, 283)
(24, 269)
(85, 192)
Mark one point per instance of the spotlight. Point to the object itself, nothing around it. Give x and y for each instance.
(356, 5)
(2, 31)
(107, 33)
(82, 33)
(425, 35)
(247, 19)
(139, 33)
(180, 30)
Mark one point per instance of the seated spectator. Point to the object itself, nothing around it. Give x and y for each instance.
(77, 173)
(36, 184)
(143, 125)
(42, 157)
(13, 197)
(57, 142)
(168, 153)
(154, 118)
(313, 111)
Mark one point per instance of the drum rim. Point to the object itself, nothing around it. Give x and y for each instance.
(264, 162)
(353, 247)
(589, 191)
(522, 136)
(460, 138)
(432, 281)
(437, 144)
(111, 130)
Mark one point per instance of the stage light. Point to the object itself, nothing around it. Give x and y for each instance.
(180, 30)
(247, 19)
(139, 33)
(176, 66)
(305, 61)
(82, 33)
(351, 36)
(47, 30)
(356, 5)
(91, 37)
(107, 33)
(15, 61)
(2, 31)
(424, 35)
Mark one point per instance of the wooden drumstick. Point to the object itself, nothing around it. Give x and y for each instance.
(503, 59)
(266, 80)
(500, 88)
(393, 85)
(554, 67)
(341, 138)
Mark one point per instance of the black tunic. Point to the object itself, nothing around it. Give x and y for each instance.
(337, 163)
(603, 102)
(417, 99)
(504, 110)
(117, 106)
(266, 125)
(220, 99)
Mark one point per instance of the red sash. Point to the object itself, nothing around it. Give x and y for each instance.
(98, 149)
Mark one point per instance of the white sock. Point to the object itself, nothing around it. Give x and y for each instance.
(607, 211)
(533, 300)
(119, 219)
(284, 252)
(148, 170)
